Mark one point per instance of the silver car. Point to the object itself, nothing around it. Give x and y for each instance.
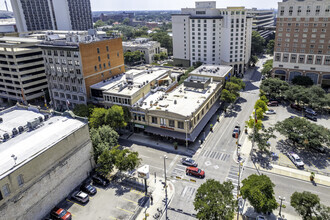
(296, 160)
(188, 162)
(80, 197)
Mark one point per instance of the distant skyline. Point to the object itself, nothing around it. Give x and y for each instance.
(133, 5)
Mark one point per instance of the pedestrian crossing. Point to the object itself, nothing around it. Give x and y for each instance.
(215, 155)
(233, 177)
(188, 193)
(179, 170)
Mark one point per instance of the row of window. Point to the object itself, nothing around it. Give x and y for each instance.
(304, 59)
(63, 61)
(302, 10)
(62, 53)
(69, 96)
(117, 100)
(171, 123)
(306, 25)
(303, 19)
(5, 190)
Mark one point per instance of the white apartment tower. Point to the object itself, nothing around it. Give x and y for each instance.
(302, 41)
(32, 15)
(212, 36)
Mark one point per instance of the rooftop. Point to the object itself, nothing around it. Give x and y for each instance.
(28, 144)
(18, 40)
(212, 70)
(140, 42)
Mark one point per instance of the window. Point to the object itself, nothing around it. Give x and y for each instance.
(107, 48)
(154, 120)
(99, 58)
(301, 58)
(180, 125)
(277, 57)
(6, 190)
(162, 121)
(171, 123)
(327, 60)
(98, 50)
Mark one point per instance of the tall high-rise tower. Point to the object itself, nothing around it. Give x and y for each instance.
(34, 15)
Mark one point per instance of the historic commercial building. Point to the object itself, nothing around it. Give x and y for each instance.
(302, 45)
(159, 106)
(263, 21)
(22, 70)
(74, 62)
(145, 46)
(212, 36)
(43, 157)
(34, 15)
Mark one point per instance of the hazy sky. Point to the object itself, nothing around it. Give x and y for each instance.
(123, 5)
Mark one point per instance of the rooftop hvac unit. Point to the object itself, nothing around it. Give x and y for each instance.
(40, 119)
(46, 117)
(6, 136)
(33, 123)
(20, 129)
(175, 101)
(1, 120)
(15, 132)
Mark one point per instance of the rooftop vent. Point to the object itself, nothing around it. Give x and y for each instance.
(15, 132)
(1, 120)
(6, 136)
(20, 129)
(175, 101)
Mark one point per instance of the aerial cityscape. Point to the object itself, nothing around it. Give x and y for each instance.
(210, 110)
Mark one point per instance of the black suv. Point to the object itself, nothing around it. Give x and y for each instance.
(100, 180)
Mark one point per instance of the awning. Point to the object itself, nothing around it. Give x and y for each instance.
(182, 135)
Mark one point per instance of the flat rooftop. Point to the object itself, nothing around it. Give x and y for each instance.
(29, 144)
(138, 44)
(212, 70)
(18, 40)
(182, 100)
(119, 85)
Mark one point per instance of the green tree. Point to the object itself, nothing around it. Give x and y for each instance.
(259, 113)
(97, 118)
(264, 99)
(260, 104)
(126, 21)
(127, 160)
(302, 81)
(163, 55)
(106, 162)
(305, 204)
(253, 123)
(99, 23)
(164, 39)
(262, 138)
(214, 200)
(238, 82)
(270, 47)
(233, 88)
(110, 21)
(156, 57)
(257, 45)
(253, 60)
(185, 76)
(274, 88)
(83, 110)
(115, 117)
(227, 96)
(267, 68)
(259, 191)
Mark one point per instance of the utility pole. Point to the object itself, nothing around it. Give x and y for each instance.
(165, 157)
(186, 133)
(282, 199)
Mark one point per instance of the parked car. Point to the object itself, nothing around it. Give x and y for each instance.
(59, 213)
(188, 162)
(272, 103)
(310, 111)
(297, 107)
(291, 117)
(260, 217)
(100, 180)
(194, 171)
(89, 189)
(311, 117)
(270, 111)
(296, 160)
(80, 197)
(237, 130)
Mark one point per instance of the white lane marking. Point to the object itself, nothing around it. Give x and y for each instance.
(172, 162)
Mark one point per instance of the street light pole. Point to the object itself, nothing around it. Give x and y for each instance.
(165, 187)
(282, 199)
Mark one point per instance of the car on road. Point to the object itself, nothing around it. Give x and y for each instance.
(296, 160)
(59, 213)
(310, 111)
(100, 180)
(272, 103)
(89, 189)
(297, 107)
(311, 117)
(188, 162)
(237, 130)
(270, 112)
(194, 171)
(80, 197)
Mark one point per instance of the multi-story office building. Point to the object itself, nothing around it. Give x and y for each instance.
(212, 36)
(34, 15)
(263, 21)
(302, 45)
(43, 158)
(145, 46)
(76, 62)
(22, 70)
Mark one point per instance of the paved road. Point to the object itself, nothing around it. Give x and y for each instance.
(285, 186)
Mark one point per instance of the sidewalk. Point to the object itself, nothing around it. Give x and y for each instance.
(157, 207)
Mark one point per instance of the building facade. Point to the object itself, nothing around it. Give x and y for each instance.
(76, 62)
(302, 45)
(263, 21)
(22, 70)
(42, 162)
(212, 36)
(32, 15)
(145, 46)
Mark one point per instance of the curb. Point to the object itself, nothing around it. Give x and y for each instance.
(286, 176)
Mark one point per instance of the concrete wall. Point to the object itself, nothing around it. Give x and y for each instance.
(48, 178)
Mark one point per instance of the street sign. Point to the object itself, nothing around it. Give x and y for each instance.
(143, 172)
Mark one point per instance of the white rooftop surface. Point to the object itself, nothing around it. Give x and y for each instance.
(137, 44)
(27, 145)
(212, 70)
(19, 40)
(184, 106)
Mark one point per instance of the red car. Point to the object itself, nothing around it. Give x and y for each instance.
(273, 103)
(59, 213)
(297, 107)
(195, 172)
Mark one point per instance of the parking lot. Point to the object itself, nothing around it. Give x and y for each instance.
(117, 201)
(314, 161)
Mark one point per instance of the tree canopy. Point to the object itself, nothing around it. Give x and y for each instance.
(227, 96)
(302, 81)
(115, 116)
(270, 47)
(259, 190)
(214, 200)
(97, 118)
(274, 88)
(257, 43)
(267, 68)
(83, 110)
(132, 58)
(164, 39)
